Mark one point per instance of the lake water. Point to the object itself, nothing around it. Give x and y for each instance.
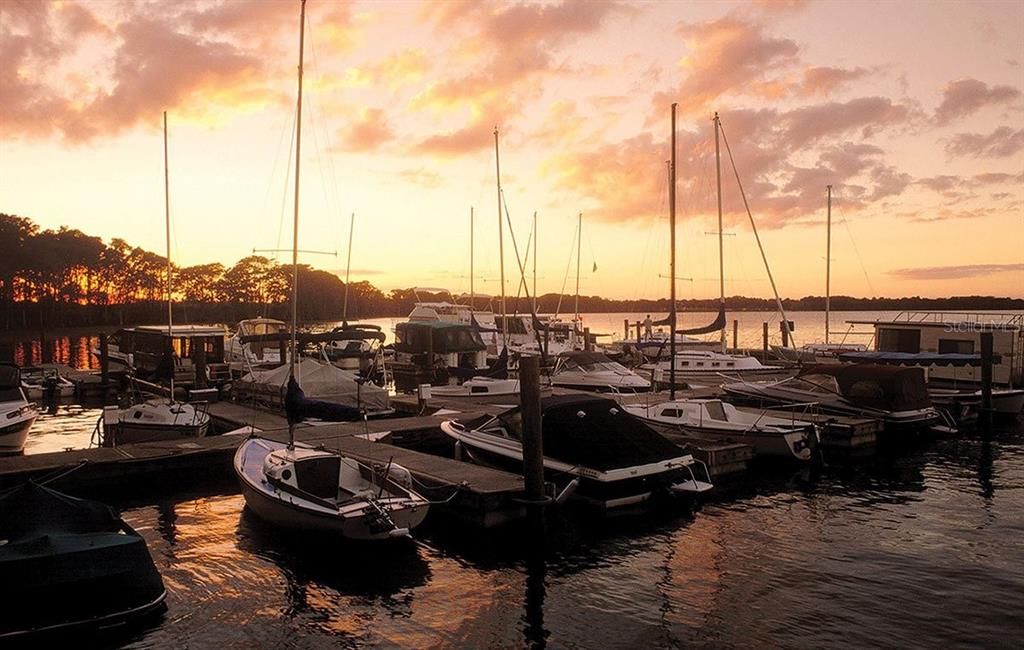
(922, 547)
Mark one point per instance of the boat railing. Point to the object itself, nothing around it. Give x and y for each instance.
(996, 319)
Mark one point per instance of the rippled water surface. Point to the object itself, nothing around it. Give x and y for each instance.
(919, 548)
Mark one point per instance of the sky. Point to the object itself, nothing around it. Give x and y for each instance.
(912, 111)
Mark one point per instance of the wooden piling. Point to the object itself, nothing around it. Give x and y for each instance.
(764, 343)
(735, 334)
(586, 339)
(104, 359)
(199, 359)
(986, 378)
(785, 334)
(625, 328)
(533, 447)
(282, 351)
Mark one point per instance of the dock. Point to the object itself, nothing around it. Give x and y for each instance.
(838, 431)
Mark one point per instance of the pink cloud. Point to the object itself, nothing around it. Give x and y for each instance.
(367, 133)
(867, 114)
(823, 80)
(954, 272)
(1001, 143)
(966, 96)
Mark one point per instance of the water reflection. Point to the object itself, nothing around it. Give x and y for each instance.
(74, 351)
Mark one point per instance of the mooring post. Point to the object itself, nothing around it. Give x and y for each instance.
(638, 332)
(735, 334)
(586, 339)
(986, 378)
(282, 350)
(625, 328)
(533, 447)
(199, 354)
(104, 359)
(764, 343)
(785, 333)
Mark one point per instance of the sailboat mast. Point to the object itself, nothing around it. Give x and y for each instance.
(721, 231)
(348, 267)
(535, 262)
(672, 263)
(579, 235)
(501, 241)
(167, 224)
(828, 260)
(295, 220)
(472, 294)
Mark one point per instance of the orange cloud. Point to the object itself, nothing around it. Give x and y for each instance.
(954, 272)
(966, 96)
(368, 133)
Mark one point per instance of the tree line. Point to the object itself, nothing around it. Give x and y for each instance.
(66, 278)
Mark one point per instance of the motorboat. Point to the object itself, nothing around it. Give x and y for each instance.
(70, 565)
(817, 352)
(894, 394)
(488, 390)
(153, 420)
(17, 414)
(38, 382)
(713, 419)
(313, 490)
(433, 351)
(255, 343)
(354, 346)
(707, 367)
(1006, 402)
(594, 452)
(595, 372)
(140, 351)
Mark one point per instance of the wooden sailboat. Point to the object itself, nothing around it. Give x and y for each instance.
(296, 486)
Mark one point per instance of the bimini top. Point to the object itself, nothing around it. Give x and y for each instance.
(892, 388)
(918, 359)
(440, 336)
(594, 432)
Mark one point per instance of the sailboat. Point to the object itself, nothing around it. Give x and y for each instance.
(157, 419)
(704, 367)
(300, 487)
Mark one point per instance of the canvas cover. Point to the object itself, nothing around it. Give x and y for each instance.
(319, 381)
(10, 376)
(891, 388)
(31, 510)
(919, 359)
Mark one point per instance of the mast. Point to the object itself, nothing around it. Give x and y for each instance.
(721, 231)
(167, 224)
(472, 295)
(828, 260)
(348, 267)
(579, 235)
(295, 221)
(534, 262)
(501, 242)
(672, 263)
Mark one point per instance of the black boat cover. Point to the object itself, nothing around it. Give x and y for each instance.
(10, 376)
(31, 510)
(498, 371)
(596, 432)
(297, 407)
(891, 388)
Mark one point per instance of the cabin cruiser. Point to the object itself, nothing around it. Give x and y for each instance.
(488, 390)
(433, 352)
(594, 451)
(593, 371)
(713, 419)
(890, 393)
(153, 420)
(1006, 402)
(17, 414)
(707, 367)
(263, 351)
(817, 352)
(139, 350)
(40, 382)
(70, 564)
(354, 346)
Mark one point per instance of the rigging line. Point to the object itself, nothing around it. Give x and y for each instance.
(273, 175)
(284, 194)
(856, 251)
(565, 278)
(743, 194)
(522, 263)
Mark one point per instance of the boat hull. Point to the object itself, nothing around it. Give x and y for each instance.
(789, 445)
(125, 433)
(13, 436)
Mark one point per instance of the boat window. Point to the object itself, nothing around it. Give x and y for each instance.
(953, 346)
(729, 364)
(10, 394)
(478, 389)
(899, 340)
(671, 413)
(686, 363)
(700, 363)
(715, 411)
(715, 364)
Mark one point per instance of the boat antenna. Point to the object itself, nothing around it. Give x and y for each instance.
(501, 241)
(472, 293)
(828, 259)
(672, 262)
(579, 237)
(295, 221)
(535, 262)
(348, 267)
(167, 224)
(721, 230)
(764, 258)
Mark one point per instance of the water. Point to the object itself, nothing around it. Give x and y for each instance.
(912, 550)
(919, 548)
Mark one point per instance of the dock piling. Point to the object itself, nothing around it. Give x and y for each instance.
(735, 334)
(104, 360)
(199, 354)
(986, 378)
(533, 447)
(764, 343)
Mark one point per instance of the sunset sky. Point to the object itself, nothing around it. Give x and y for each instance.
(913, 111)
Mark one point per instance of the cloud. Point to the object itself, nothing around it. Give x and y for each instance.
(367, 133)
(1001, 143)
(823, 80)
(79, 21)
(780, 6)
(954, 272)
(470, 139)
(868, 114)
(963, 97)
(422, 177)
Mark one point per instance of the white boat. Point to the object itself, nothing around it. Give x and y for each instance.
(484, 389)
(1006, 402)
(245, 355)
(39, 382)
(17, 414)
(593, 371)
(312, 490)
(320, 380)
(594, 451)
(713, 419)
(153, 420)
(707, 367)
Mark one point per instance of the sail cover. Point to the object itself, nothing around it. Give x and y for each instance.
(320, 381)
(719, 323)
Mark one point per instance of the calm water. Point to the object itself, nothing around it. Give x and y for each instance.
(920, 548)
